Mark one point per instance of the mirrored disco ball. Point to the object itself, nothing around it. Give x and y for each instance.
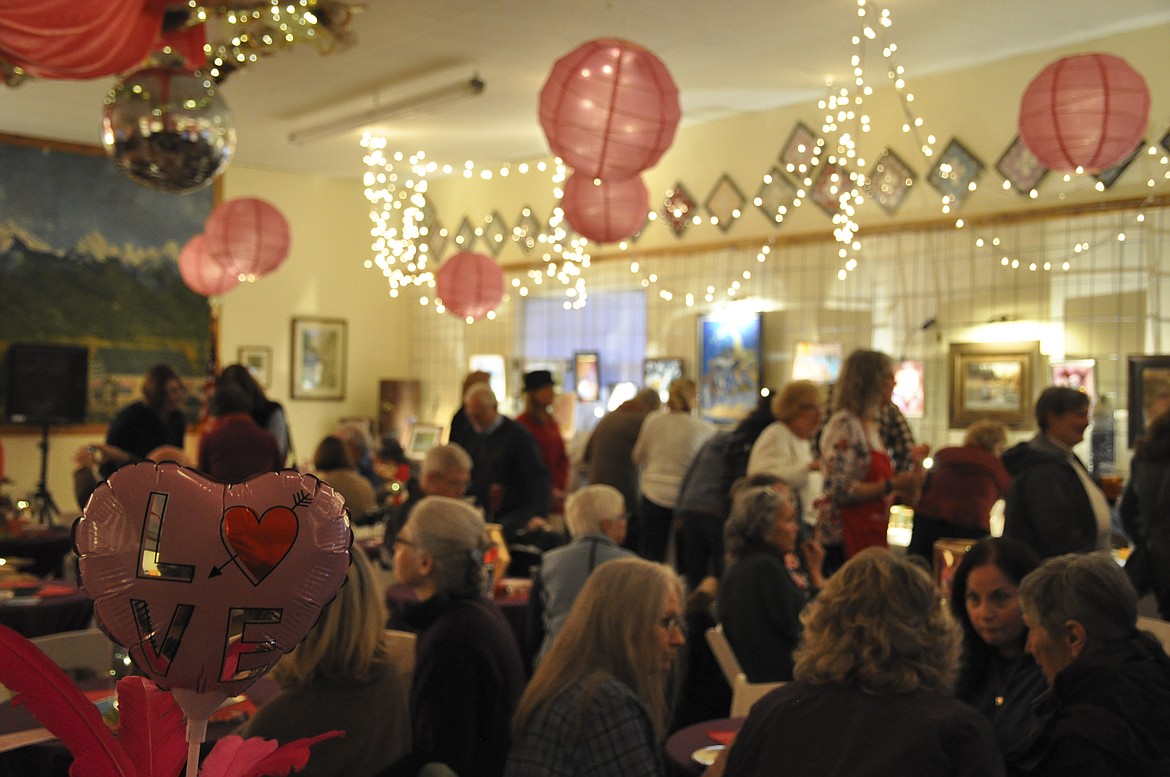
(168, 129)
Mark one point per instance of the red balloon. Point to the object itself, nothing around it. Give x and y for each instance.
(470, 285)
(609, 109)
(247, 236)
(200, 273)
(1087, 111)
(79, 39)
(207, 584)
(605, 211)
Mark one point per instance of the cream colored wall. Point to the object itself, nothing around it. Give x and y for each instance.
(323, 276)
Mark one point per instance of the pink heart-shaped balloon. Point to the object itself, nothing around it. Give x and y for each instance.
(208, 584)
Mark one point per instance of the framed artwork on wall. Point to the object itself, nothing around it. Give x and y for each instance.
(1075, 373)
(423, 437)
(318, 358)
(992, 381)
(587, 375)
(1149, 378)
(659, 373)
(910, 388)
(729, 365)
(818, 362)
(258, 360)
(90, 258)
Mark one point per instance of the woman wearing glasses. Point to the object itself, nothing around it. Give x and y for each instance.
(597, 703)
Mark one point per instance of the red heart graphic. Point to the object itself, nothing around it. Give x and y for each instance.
(258, 545)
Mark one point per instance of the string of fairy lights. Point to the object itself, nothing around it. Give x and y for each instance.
(827, 168)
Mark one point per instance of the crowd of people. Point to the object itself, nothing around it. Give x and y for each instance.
(775, 529)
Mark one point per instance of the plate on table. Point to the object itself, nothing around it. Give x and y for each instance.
(707, 755)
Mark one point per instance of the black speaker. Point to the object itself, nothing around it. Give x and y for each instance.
(47, 383)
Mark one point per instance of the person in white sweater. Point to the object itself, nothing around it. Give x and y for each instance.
(665, 446)
(783, 449)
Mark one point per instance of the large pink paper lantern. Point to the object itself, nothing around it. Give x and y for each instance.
(609, 109)
(202, 274)
(470, 285)
(1087, 111)
(605, 211)
(247, 236)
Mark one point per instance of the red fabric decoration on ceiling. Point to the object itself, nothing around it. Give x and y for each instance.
(201, 273)
(78, 39)
(609, 109)
(470, 285)
(1087, 111)
(605, 211)
(247, 236)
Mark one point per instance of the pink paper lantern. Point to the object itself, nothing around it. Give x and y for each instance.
(470, 285)
(201, 273)
(605, 211)
(609, 109)
(1087, 111)
(247, 236)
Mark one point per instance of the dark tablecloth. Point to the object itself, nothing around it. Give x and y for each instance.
(35, 616)
(684, 742)
(46, 548)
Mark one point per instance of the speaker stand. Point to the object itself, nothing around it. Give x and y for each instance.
(46, 508)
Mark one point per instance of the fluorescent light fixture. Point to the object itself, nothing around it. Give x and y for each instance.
(407, 106)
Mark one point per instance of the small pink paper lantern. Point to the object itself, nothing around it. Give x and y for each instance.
(605, 211)
(1086, 111)
(470, 285)
(247, 236)
(202, 274)
(609, 109)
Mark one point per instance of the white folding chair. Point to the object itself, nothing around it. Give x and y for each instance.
(743, 693)
(83, 654)
(1158, 627)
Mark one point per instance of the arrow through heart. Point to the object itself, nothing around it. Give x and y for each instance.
(257, 543)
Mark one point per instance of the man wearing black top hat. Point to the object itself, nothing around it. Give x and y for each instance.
(539, 392)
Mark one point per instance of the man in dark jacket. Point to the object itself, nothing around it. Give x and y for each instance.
(1053, 504)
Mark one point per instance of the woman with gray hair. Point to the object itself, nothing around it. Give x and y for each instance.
(872, 695)
(759, 604)
(468, 674)
(1105, 713)
(596, 516)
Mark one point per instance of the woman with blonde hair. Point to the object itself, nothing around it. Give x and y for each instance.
(468, 674)
(873, 690)
(344, 667)
(783, 448)
(665, 446)
(596, 706)
(860, 482)
(961, 488)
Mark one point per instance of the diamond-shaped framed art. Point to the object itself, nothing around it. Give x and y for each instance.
(678, 209)
(800, 152)
(1110, 176)
(775, 195)
(465, 236)
(435, 240)
(725, 202)
(890, 181)
(954, 172)
(1020, 167)
(526, 230)
(831, 181)
(495, 232)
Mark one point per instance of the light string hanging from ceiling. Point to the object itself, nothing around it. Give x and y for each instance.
(406, 235)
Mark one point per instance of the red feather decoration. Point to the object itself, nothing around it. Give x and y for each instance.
(61, 708)
(151, 728)
(289, 758)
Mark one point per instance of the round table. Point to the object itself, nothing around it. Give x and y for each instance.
(45, 547)
(62, 607)
(682, 743)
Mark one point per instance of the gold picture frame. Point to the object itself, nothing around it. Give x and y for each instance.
(992, 381)
(319, 352)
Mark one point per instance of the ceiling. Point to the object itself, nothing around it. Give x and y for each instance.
(727, 58)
